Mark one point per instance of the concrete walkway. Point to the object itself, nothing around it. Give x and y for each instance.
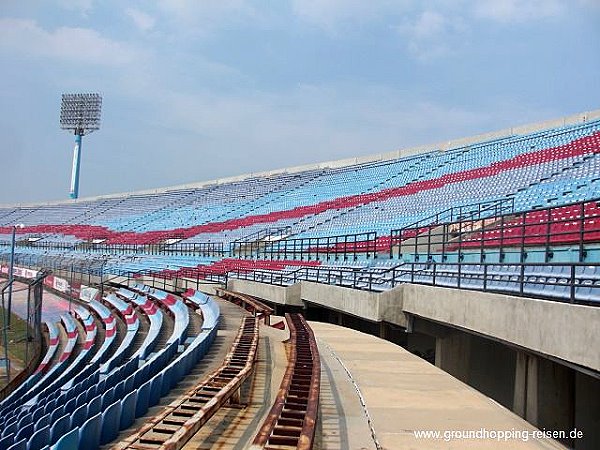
(402, 394)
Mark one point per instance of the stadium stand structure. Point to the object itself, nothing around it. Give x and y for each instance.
(515, 214)
(527, 198)
(89, 393)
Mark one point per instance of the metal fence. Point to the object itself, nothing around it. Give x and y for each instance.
(346, 247)
(575, 224)
(573, 283)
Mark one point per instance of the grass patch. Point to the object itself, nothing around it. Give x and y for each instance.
(17, 335)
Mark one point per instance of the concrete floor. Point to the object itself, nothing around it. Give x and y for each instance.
(401, 393)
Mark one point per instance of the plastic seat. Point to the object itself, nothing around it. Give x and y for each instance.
(59, 428)
(107, 398)
(39, 439)
(25, 433)
(57, 413)
(155, 389)
(128, 407)
(89, 433)
(21, 445)
(111, 419)
(143, 399)
(7, 441)
(69, 441)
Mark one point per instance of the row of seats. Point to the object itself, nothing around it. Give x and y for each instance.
(91, 396)
(53, 341)
(174, 305)
(129, 317)
(237, 265)
(33, 386)
(109, 323)
(155, 316)
(322, 201)
(132, 400)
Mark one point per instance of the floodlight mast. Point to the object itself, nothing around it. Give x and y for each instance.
(79, 113)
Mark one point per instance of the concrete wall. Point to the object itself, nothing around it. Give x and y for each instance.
(350, 301)
(277, 294)
(391, 306)
(376, 307)
(568, 332)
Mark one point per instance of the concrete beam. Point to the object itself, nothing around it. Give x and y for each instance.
(282, 295)
(564, 331)
(362, 304)
(568, 332)
(372, 306)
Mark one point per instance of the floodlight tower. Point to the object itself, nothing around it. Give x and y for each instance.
(79, 113)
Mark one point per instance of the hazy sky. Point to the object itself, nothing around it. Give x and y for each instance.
(200, 89)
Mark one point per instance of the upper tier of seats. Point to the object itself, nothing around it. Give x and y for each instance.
(547, 168)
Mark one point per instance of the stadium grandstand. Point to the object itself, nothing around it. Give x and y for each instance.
(479, 258)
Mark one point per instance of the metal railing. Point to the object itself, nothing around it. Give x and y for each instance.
(345, 246)
(183, 249)
(575, 224)
(255, 307)
(271, 232)
(471, 212)
(33, 329)
(570, 282)
(292, 420)
(352, 278)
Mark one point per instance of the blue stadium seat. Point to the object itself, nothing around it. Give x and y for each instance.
(79, 416)
(89, 433)
(155, 389)
(7, 441)
(128, 410)
(39, 439)
(69, 441)
(94, 406)
(25, 432)
(111, 419)
(20, 445)
(143, 399)
(59, 427)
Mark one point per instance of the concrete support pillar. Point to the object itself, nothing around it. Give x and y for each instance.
(531, 402)
(557, 397)
(587, 411)
(525, 400)
(383, 334)
(453, 355)
(520, 396)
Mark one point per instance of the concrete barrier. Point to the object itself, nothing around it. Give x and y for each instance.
(565, 331)
(561, 330)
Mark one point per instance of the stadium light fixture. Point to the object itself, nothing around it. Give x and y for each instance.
(79, 113)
